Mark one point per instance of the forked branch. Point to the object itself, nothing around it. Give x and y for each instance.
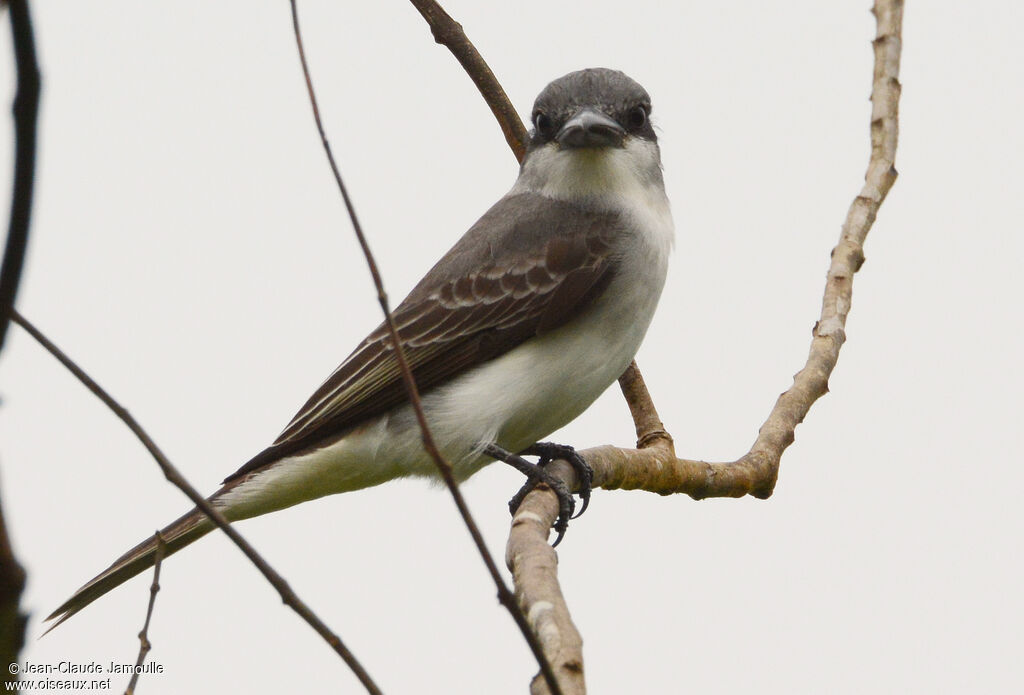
(655, 468)
(653, 465)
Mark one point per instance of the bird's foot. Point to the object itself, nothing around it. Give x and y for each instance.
(549, 451)
(535, 473)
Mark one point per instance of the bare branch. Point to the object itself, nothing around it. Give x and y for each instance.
(449, 34)
(656, 469)
(505, 595)
(649, 427)
(12, 619)
(26, 108)
(288, 596)
(154, 588)
(653, 465)
(534, 566)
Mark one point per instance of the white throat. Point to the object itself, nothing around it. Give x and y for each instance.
(604, 178)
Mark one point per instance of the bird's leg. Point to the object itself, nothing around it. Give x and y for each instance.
(535, 474)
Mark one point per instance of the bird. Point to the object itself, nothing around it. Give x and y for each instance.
(519, 327)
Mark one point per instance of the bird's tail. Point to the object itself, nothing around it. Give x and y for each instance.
(176, 536)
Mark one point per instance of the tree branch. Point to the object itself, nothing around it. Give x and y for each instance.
(144, 644)
(505, 595)
(655, 468)
(450, 34)
(653, 465)
(534, 566)
(26, 108)
(288, 596)
(12, 619)
(649, 427)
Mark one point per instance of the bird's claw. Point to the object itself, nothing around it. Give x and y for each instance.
(549, 451)
(536, 474)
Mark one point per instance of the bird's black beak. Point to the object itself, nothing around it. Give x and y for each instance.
(590, 128)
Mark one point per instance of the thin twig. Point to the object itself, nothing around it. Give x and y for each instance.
(505, 595)
(26, 108)
(650, 430)
(288, 596)
(144, 644)
(449, 34)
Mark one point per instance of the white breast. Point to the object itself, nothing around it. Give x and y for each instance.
(542, 385)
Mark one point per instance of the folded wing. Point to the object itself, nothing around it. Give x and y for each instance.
(528, 266)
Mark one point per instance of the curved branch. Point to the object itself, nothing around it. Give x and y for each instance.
(450, 34)
(655, 468)
(26, 109)
(174, 476)
(653, 465)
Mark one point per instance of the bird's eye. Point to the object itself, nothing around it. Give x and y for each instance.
(542, 122)
(637, 117)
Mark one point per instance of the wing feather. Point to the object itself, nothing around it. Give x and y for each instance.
(528, 266)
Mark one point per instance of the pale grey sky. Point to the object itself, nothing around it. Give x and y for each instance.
(190, 250)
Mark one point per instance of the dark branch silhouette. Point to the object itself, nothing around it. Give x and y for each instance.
(26, 108)
(12, 620)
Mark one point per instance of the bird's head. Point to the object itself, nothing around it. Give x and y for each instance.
(592, 138)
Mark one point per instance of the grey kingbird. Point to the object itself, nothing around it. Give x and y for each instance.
(536, 311)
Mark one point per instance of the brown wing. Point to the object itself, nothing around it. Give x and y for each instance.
(526, 267)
